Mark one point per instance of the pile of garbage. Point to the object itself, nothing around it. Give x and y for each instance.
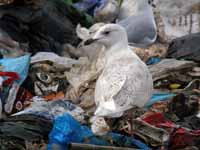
(50, 69)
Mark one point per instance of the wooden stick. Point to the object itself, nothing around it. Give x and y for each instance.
(76, 146)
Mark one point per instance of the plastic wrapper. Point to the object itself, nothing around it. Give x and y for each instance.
(52, 109)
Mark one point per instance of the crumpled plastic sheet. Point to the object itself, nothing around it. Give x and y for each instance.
(52, 109)
(48, 56)
(66, 130)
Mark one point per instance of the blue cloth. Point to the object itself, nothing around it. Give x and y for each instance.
(67, 130)
(19, 65)
(140, 145)
(159, 97)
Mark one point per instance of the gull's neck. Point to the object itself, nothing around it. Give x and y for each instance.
(118, 51)
(142, 6)
(117, 48)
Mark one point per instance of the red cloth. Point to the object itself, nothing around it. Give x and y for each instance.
(179, 136)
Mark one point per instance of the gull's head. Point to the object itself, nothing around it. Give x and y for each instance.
(143, 4)
(110, 35)
(151, 2)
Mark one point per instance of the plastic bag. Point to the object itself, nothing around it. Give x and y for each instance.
(86, 5)
(48, 56)
(66, 130)
(107, 11)
(159, 97)
(17, 70)
(53, 109)
(19, 65)
(153, 61)
(102, 10)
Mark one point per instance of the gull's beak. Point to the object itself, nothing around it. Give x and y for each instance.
(154, 5)
(90, 41)
(98, 36)
(151, 2)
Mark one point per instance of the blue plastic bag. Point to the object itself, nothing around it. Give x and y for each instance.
(153, 61)
(19, 65)
(159, 97)
(67, 130)
(86, 5)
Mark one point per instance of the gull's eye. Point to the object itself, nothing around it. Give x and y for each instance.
(106, 32)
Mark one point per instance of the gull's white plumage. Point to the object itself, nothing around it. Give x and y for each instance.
(125, 81)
